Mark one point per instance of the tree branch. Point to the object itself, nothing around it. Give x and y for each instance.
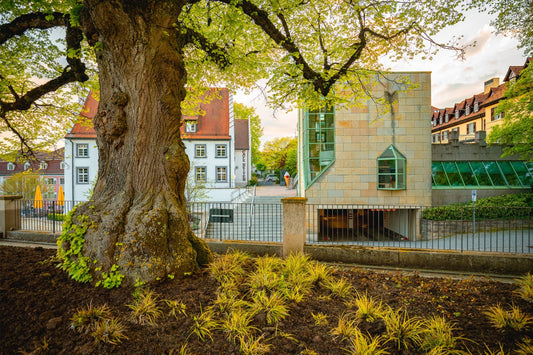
(74, 72)
(36, 20)
(217, 53)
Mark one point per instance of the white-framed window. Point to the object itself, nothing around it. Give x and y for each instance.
(82, 150)
(62, 165)
(43, 165)
(221, 151)
(50, 195)
(222, 174)
(50, 181)
(471, 128)
(26, 166)
(82, 175)
(467, 110)
(200, 151)
(456, 113)
(476, 106)
(446, 118)
(444, 136)
(10, 166)
(200, 173)
(191, 126)
(440, 119)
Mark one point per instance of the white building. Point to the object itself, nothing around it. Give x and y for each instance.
(220, 160)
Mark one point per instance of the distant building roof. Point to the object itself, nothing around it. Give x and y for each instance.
(52, 159)
(214, 124)
(242, 140)
(83, 128)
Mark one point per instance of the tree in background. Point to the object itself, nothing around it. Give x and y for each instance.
(313, 53)
(515, 19)
(276, 153)
(243, 112)
(25, 183)
(516, 130)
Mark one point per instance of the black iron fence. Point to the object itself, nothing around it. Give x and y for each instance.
(491, 229)
(488, 229)
(43, 215)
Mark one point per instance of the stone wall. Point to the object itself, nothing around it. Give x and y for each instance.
(432, 230)
(363, 133)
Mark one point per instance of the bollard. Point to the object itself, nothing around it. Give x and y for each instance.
(294, 227)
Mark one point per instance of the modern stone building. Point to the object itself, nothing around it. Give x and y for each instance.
(366, 171)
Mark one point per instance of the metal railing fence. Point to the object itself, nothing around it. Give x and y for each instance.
(43, 215)
(489, 229)
(237, 221)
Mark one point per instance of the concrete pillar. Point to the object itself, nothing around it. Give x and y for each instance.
(9, 214)
(294, 230)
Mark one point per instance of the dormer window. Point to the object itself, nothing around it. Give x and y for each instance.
(446, 118)
(191, 126)
(476, 106)
(10, 166)
(467, 110)
(456, 113)
(43, 165)
(26, 166)
(440, 119)
(62, 165)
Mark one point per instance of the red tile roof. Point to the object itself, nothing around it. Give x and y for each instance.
(213, 124)
(83, 128)
(52, 159)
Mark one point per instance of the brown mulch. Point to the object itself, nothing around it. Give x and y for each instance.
(37, 301)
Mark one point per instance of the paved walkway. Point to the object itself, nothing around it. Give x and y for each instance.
(275, 190)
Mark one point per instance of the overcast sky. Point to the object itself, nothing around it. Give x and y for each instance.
(452, 79)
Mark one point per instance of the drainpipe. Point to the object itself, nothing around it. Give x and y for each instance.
(72, 168)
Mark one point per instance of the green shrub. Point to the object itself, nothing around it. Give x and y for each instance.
(253, 181)
(496, 207)
(56, 217)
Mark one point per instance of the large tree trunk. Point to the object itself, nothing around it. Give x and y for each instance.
(137, 211)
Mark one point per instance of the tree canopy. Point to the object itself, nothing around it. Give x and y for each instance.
(516, 130)
(149, 54)
(244, 112)
(280, 153)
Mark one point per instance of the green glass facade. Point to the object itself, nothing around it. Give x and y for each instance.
(391, 170)
(319, 142)
(482, 174)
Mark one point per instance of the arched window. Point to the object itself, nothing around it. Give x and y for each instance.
(391, 170)
(10, 166)
(26, 166)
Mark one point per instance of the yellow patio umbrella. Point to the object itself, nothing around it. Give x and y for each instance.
(61, 197)
(38, 200)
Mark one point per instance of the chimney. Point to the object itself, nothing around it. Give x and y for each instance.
(491, 83)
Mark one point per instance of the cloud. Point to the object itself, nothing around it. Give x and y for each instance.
(478, 43)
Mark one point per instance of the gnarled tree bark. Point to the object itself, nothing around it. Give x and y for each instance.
(137, 210)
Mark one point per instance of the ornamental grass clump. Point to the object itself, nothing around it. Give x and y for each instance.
(363, 345)
(237, 325)
(365, 308)
(272, 306)
(84, 319)
(437, 336)
(512, 319)
(204, 325)
(229, 267)
(145, 308)
(525, 290)
(404, 332)
(109, 331)
(346, 328)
